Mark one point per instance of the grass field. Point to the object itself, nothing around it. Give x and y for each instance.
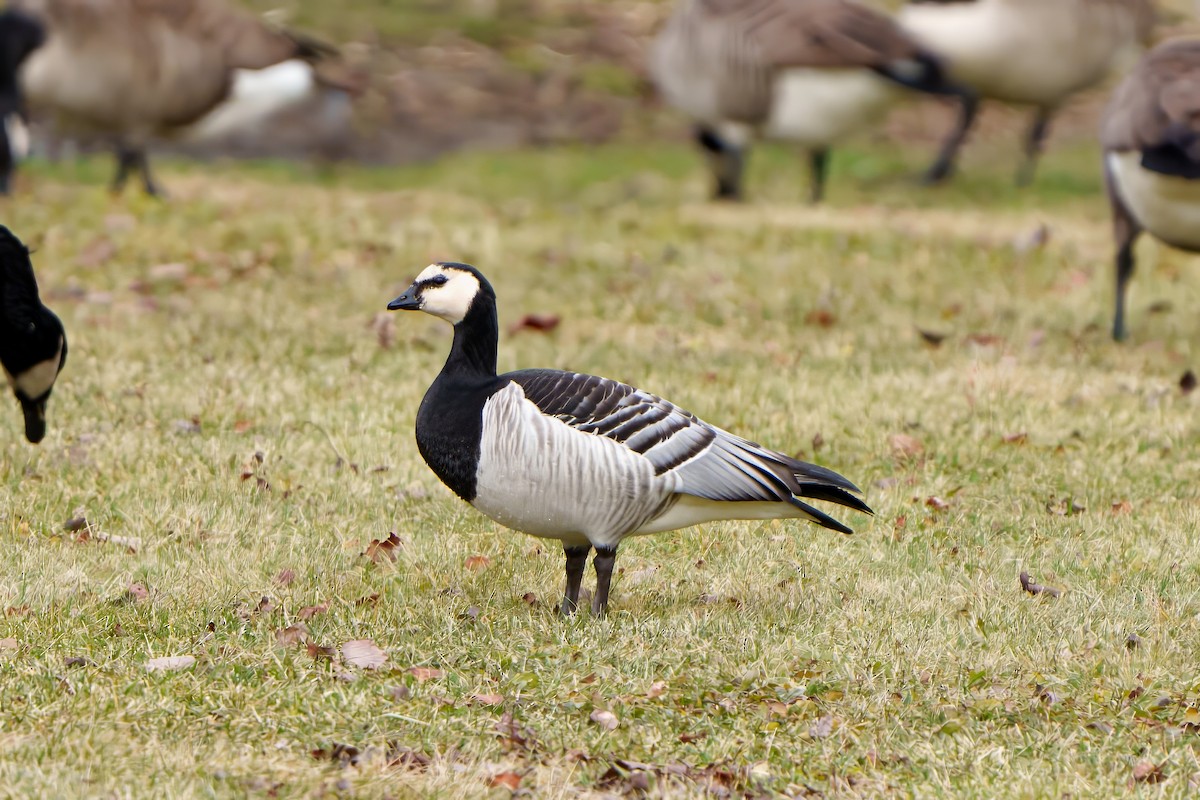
(235, 424)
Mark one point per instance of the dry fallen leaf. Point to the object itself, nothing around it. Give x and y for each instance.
(936, 503)
(905, 447)
(932, 338)
(364, 653)
(423, 674)
(508, 780)
(657, 689)
(984, 339)
(605, 719)
(308, 612)
(688, 738)
(318, 652)
(292, 634)
(488, 699)
(543, 323)
(384, 549)
(530, 598)
(477, 563)
(9, 643)
(1036, 588)
(1016, 438)
(242, 425)
(285, 577)
(1122, 507)
(136, 592)
(1148, 772)
(170, 663)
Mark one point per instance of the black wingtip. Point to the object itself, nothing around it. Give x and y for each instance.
(821, 518)
(833, 494)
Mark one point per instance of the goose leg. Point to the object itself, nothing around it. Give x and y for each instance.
(1125, 231)
(1033, 146)
(605, 558)
(576, 564)
(126, 158)
(131, 158)
(726, 160)
(818, 161)
(944, 166)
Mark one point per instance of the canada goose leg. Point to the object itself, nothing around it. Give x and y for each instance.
(125, 162)
(576, 564)
(148, 182)
(818, 161)
(726, 160)
(605, 558)
(131, 158)
(1033, 146)
(1126, 231)
(943, 167)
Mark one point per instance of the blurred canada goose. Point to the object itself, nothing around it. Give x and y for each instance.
(33, 344)
(1150, 133)
(1028, 52)
(583, 459)
(134, 70)
(808, 71)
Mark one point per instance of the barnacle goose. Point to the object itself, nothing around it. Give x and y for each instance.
(33, 344)
(806, 71)
(583, 459)
(1150, 132)
(1030, 52)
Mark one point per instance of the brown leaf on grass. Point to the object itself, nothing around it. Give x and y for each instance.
(514, 735)
(542, 323)
(96, 252)
(820, 318)
(1036, 588)
(265, 605)
(905, 447)
(1133, 641)
(292, 634)
(1148, 772)
(688, 738)
(932, 338)
(937, 503)
(9, 643)
(16, 611)
(530, 599)
(984, 339)
(364, 653)
(605, 719)
(657, 689)
(507, 780)
(477, 563)
(423, 674)
(243, 425)
(1122, 507)
(170, 663)
(308, 612)
(345, 755)
(407, 758)
(384, 326)
(1016, 438)
(822, 728)
(136, 593)
(1066, 508)
(1187, 383)
(487, 699)
(384, 549)
(285, 577)
(367, 600)
(78, 661)
(317, 652)
(76, 524)
(818, 442)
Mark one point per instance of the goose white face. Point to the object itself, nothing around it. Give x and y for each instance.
(446, 292)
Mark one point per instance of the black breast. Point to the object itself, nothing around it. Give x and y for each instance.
(449, 428)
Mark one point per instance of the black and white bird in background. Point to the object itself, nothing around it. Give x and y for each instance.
(583, 459)
(33, 344)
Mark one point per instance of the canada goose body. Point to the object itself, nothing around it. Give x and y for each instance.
(1150, 133)
(1030, 52)
(33, 344)
(583, 459)
(135, 70)
(808, 71)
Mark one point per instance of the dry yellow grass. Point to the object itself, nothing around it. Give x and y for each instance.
(228, 407)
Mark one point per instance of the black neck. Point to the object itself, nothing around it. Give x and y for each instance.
(476, 338)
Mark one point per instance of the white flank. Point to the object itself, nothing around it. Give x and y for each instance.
(1165, 205)
(18, 136)
(256, 96)
(540, 476)
(819, 107)
(1023, 51)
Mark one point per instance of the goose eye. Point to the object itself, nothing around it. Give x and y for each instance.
(439, 280)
